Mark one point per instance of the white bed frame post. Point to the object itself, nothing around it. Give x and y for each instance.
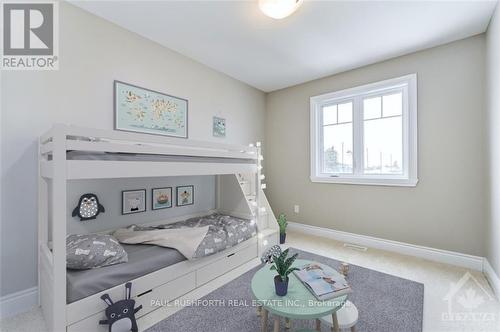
(44, 254)
(59, 228)
(43, 214)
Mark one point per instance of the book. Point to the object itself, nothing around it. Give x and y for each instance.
(322, 281)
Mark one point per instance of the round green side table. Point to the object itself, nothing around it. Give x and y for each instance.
(299, 303)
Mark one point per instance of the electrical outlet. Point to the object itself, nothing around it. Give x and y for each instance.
(296, 208)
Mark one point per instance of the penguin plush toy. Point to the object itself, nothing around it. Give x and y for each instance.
(121, 314)
(88, 207)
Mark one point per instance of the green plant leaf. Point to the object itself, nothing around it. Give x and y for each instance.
(282, 222)
(290, 261)
(283, 263)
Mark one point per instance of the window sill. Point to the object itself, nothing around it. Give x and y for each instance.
(368, 181)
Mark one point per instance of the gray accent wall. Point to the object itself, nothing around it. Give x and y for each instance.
(493, 103)
(109, 193)
(447, 209)
(93, 53)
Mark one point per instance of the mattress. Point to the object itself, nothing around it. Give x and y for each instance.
(224, 232)
(142, 259)
(114, 156)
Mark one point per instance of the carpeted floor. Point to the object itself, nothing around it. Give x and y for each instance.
(385, 303)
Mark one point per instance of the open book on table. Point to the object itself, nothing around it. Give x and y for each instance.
(324, 282)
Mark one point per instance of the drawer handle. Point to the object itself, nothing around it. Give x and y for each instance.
(146, 292)
(231, 254)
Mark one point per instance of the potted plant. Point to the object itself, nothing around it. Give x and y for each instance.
(282, 223)
(283, 265)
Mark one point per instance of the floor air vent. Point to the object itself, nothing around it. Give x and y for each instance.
(355, 247)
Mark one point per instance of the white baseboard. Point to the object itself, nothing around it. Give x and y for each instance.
(18, 302)
(437, 255)
(492, 277)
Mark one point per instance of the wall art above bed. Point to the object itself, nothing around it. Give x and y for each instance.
(161, 198)
(133, 201)
(185, 195)
(146, 111)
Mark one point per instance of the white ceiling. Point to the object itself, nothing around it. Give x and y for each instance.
(320, 39)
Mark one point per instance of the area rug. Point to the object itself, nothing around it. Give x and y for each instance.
(385, 303)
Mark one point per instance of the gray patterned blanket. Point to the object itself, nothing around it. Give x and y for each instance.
(223, 232)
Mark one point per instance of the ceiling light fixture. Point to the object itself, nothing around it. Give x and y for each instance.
(279, 9)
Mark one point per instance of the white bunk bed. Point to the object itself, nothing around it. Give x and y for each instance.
(75, 153)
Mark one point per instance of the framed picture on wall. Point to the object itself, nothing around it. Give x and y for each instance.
(151, 112)
(161, 198)
(219, 127)
(185, 195)
(133, 201)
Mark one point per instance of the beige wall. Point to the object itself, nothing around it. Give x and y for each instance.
(493, 100)
(93, 53)
(447, 208)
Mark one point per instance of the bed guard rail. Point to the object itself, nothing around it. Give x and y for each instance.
(112, 141)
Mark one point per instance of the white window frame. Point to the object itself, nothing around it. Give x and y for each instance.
(408, 85)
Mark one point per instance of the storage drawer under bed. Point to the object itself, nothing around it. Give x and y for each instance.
(150, 300)
(225, 264)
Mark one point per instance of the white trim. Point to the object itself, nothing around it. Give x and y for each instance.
(368, 181)
(18, 302)
(408, 86)
(437, 255)
(492, 277)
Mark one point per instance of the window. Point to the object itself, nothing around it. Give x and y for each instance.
(367, 134)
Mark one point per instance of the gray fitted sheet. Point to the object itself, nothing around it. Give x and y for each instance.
(115, 156)
(142, 259)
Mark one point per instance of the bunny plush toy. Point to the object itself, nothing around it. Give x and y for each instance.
(121, 314)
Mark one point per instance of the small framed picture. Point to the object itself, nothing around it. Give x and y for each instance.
(161, 198)
(133, 201)
(219, 127)
(185, 195)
